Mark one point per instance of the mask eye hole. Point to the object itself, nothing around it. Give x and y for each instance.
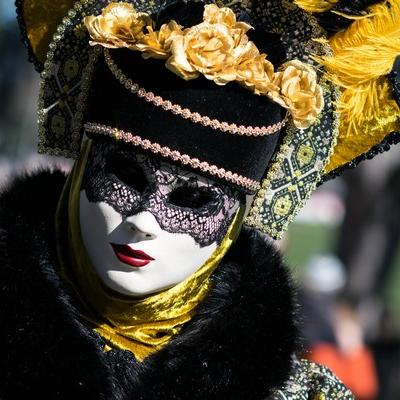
(191, 197)
(127, 171)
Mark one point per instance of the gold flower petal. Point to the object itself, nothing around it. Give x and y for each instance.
(157, 44)
(178, 62)
(219, 15)
(223, 15)
(299, 92)
(119, 25)
(207, 49)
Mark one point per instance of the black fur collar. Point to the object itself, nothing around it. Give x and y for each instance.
(238, 346)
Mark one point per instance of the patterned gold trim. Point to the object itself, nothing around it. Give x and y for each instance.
(174, 155)
(185, 113)
(272, 202)
(49, 72)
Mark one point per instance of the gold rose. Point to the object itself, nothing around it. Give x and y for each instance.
(299, 92)
(119, 25)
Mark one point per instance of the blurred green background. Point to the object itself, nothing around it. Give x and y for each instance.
(307, 239)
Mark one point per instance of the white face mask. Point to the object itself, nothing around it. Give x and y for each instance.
(146, 224)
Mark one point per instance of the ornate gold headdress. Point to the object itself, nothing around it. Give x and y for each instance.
(360, 64)
(218, 48)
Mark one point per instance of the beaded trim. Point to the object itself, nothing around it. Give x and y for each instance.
(394, 79)
(175, 155)
(19, 4)
(288, 184)
(185, 113)
(392, 139)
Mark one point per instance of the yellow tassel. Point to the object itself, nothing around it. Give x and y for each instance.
(316, 6)
(363, 55)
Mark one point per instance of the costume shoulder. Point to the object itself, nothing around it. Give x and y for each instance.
(311, 381)
(45, 352)
(243, 327)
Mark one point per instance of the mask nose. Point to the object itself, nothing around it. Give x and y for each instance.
(143, 226)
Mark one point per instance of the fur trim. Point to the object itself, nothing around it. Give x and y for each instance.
(238, 345)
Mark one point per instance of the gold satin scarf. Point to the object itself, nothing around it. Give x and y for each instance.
(143, 325)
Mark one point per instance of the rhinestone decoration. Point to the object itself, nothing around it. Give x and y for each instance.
(185, 113)
(174, 155)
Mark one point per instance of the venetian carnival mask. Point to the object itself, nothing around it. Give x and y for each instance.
(260, 112)
(148, 224)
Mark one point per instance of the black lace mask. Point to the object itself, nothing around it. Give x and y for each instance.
(180, 200)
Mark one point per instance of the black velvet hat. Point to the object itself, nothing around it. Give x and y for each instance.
(245, 155)
(227, 131)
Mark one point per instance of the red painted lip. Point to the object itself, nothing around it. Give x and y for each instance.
(127, 255)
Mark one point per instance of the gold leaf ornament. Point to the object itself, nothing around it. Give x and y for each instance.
(119, 25)
(299, 93)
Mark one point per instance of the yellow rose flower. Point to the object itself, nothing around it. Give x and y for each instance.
(216, 15)
(211, 48)
(206, 49)
(157, 44)
(119, 25)
(254, 71)
(299, 92)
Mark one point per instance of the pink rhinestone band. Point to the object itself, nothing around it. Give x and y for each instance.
(156, 148)
(185, 113)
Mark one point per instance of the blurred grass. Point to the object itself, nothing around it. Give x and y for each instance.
(305, 240)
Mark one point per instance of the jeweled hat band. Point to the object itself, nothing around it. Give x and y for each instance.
(186, 113)
(174, 155)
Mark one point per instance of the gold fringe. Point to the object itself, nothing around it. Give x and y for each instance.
(363, 55)
(316, 6)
